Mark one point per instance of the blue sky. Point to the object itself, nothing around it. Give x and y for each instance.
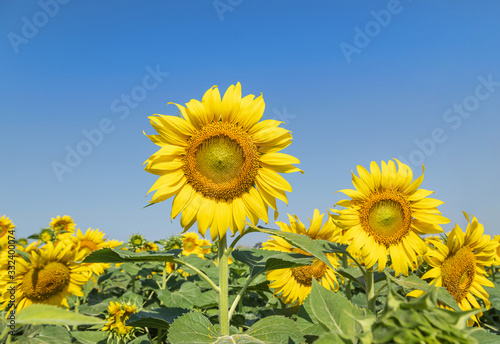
(355, 82)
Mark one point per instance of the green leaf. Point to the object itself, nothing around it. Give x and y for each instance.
(303, 242)
(263, 260)
(144, 339)
(275, 329)
(160, 318)
(107, 255)
(413, 282)
(484, 337)
(183, 298)
(48, 335)
(52, 315)
(494, 295)
(334, 312)
(192, 328)
(329, 338)
(89, 337)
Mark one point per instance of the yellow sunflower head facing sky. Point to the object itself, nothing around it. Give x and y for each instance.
(294, 284)
(49, 277)
(386, 213)
(220, 161)
(62, 224)
(6, 225)
(458, 265)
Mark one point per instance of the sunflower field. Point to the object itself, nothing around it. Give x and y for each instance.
(384, 265)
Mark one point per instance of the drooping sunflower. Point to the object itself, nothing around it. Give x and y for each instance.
(49, 277)
(62, 224)
(191, 244)
(119, 312)
(6, 225)
(294, 284)
(458, 265)
(386, 214)
(220, 162)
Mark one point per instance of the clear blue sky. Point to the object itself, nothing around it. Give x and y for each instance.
(360, 81)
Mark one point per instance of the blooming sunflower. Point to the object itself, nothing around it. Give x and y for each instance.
(191, 244)
(220, 161)
(48, 278)
(150, 246)
(497, 257)
(6, 225)
(62, 224)
(294, 284)
(386, 214)
(119, 312)
(92, 240)
(458, 265)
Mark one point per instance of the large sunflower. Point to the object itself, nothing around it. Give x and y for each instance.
(458, 265)
(220, 162)
(294, 284)
(386, 214)
(48, 278)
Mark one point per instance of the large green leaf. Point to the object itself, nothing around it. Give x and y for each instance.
(184, 297)
(52, 315)
(275, 329)
(413, 282)
(47, 335)
(484, 337)
(108, 255)
(334, 312)
(494, 295)
(192, 328)
(263, 260)
(160, 318)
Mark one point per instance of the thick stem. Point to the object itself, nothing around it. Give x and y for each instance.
(223, 285)
(370, 290)
(347, 282)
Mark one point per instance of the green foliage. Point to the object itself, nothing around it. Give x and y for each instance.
(52, 315)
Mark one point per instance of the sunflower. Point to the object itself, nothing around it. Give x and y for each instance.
(191, 244)
(48, 278)
(220, 162)
(497, 257)
(6, 225)
(294, 284)
(136, 242)
(47, 234)
(92, 240)
(386, 214)
(150, 246)
(458, 265)
(62, 224)
(119, 312)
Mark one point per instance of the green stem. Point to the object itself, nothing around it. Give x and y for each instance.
(164, 277)
(199, 272)
(370, 290)
(239, 296)
(223, 285)
(159, 335)
(347, 282)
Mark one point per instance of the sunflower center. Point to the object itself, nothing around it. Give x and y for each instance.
(304, 274)
(221, 161)
(41, 283)
(386, 215)
(459, 271)
(189, 246)
(88, 244)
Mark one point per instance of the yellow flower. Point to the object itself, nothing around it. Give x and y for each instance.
(118, 315)
(149, 246)
(458, 265)
(386, 214)
(294, 284)
(191, 244)
(6, 225)
(49, 277)
(62, 224)
(220, 162)
(92, 240)
(497, 257)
